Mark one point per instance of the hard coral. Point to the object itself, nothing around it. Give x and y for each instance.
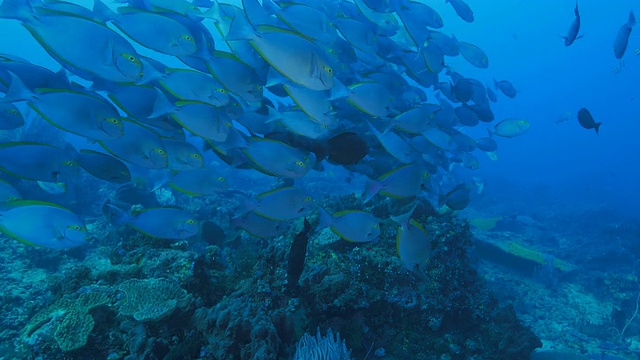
(152, 299)
(72, 321)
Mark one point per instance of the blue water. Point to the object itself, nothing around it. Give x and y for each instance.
(559, 191)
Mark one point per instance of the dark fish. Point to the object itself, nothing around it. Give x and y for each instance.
(347, 148)
(297, 254)
(456, 199)
(212, 233)
(586, 120)
(622, 39)
(574, 29)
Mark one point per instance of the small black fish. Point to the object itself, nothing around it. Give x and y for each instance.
(346, 149)
(586, 120)
(297, 255)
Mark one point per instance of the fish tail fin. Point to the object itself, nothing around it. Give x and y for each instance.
(102, 13)
(240, 29)
(115, 216)
(17, 91)
(371, 189)
(246, 206)
(257, 14)
(162, 105)
(403, 219)
(17, 9)
(632, 19)
(597, 127)
(325, 218)
(576, 11)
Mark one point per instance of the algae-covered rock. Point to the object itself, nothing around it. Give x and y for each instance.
(152, 299)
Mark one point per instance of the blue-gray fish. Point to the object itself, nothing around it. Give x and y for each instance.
(511, 127)
(167, 35)
(165, 223)
(10, 117)
(308, 21)
(506, 87)
(351, 225)
(202, 119)
(574, 29)
(462, 9)
(199, 182)
(80, 113)
(33, 76)
(8, 192)
(43, 224)
(38, 162)
(622, 38)
(282, 204)
(138, 146)
(395, 145)
(402, 182)
(103, 166)
(276, 158)
(260, 226)
(162, 223)
(85, 47)
(412, 242)
(183, 155)
(237, 76)
(194, 85)
(474, 55)
(295, 57)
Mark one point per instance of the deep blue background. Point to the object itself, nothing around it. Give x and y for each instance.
(524, 45)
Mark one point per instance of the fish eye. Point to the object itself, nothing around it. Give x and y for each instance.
(113, 120)
(308, 198)
(190, 221)
(75, 227)
(131, 58)
(328, 69)
(300, 163)
(159, 151)
(69, 163)
(222, 91)
(187, 37)
(123, 172)
(12, 111)
(259, 87)
(195, 156)
(220, 178)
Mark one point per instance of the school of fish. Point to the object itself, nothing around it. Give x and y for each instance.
(276, 87)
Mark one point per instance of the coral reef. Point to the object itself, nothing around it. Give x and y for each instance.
(68, 319)
(229, 301)
(152, 299)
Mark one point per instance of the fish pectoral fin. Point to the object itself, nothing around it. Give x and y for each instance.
(314, 67)
(109, 54)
